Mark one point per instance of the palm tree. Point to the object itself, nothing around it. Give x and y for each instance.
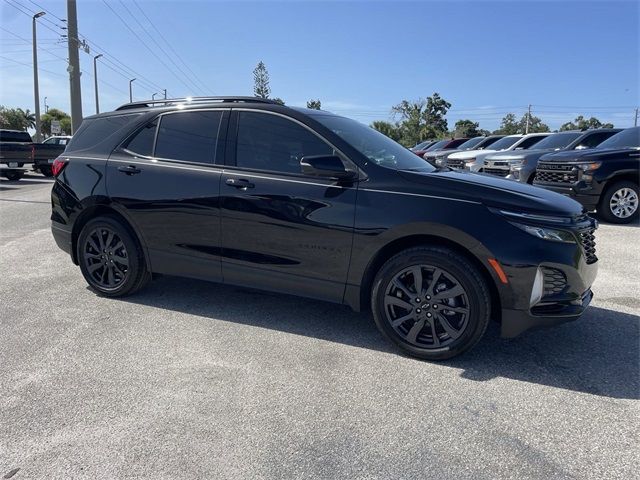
(29, 118)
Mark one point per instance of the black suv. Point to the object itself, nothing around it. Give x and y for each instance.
(248, 192)
(603, 179)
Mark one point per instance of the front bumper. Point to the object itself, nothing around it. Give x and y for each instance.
(585, 196)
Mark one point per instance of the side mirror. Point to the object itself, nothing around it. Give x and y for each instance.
(330, 166)
(581, 147)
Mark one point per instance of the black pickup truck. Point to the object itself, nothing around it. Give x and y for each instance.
(18, 153)
(604, 179)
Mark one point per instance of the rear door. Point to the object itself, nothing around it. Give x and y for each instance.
(166, 179)
(282, 230)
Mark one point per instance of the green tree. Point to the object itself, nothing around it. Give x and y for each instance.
(16, 118)
(278, 100)
(314, 104)
(387, 128)
(261, 81)
(55, 114)
(422, 119)
(581, 123)
(535, 125)
(467, 128)
(508, 126)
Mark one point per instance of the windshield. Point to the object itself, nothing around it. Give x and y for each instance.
(437, 145)
(629, 138)
(377, 147)
(504, 143)
(488, 141)
(420, 146)
(471, 143)
(558, 140)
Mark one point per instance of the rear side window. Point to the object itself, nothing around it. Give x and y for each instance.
(97, 130)
(529, 142)
(595, 139)
(142, 142)
(189, 136)
(273, 143)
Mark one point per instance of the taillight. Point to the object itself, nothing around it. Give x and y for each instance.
(58, 165)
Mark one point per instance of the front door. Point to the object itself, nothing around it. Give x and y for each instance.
(281, 230)
(166, 179)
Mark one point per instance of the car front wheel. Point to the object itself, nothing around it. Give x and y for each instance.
(620, 203)
(431, 302)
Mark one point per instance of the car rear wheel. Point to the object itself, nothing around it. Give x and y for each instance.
(620, 203)
(13, 176)
(46, 171)
(110, 258)
(431, 302)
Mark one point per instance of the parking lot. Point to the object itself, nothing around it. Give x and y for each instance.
(189, 379)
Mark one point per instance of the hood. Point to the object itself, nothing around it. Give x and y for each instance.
(433, 153)
(493, 191)
(526, 155)
(589, 155)
(467, 154)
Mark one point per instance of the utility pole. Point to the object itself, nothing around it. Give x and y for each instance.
(36, 92)
(528, 120)
(95, 80)
(165, 93)
(635, 123)
(131, 90)
(75, 88)
(46, 107)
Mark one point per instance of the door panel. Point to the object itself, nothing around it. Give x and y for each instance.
(174, 204)
(280, 230)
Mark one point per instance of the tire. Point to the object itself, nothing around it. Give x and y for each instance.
(13, 176)
(619, 204)
(110, 258)
(455, 331)
(46, 171)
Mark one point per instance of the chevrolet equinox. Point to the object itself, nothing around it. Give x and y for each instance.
(244, 191)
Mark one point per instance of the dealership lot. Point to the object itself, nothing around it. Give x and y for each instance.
(190, 379)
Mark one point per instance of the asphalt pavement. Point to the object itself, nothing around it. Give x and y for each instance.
(189, 379)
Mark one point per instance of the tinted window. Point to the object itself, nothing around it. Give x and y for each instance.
(629, 138)
(6, 136)
(189, 136)
(456, 143)
(437, 145)
(142, 142)
(471, 143)
(377, 147)
(488, 141)
(504, 143)
(270, 142)
(557, 140)
(96, 130)
(595, 139)
(529, 142)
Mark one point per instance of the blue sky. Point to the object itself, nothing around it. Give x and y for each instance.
(358, 58)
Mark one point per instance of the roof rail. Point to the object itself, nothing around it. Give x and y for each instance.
(193, 100)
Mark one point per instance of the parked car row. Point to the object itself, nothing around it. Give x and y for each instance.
(599, 168)
(18, 152)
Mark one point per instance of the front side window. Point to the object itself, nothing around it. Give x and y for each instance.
(629, 138)
(595, 139)
(529, 142)
(273, 143)
(557, 141)
(189, 136)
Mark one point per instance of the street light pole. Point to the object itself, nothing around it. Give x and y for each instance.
(153, 96)
(165, 93)
(46, 107)
(131, 90)
(95, 80)
(36, 91)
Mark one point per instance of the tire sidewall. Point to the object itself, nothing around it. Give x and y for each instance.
(463, 271)
(136, 266)
(605, 208)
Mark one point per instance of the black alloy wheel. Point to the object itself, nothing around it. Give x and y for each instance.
(110, 257)
(431, 302)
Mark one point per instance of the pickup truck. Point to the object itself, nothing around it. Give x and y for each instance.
(17, 152)
(604, 179)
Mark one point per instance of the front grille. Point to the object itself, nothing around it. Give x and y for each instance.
(455, 163)
(496, 171)
(588, 242)
(555, 281)
(556, 173)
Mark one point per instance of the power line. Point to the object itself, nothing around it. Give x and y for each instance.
(145, 44)
(178, 56)
(179, 69)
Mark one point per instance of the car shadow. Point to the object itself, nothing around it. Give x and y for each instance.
(26, 181)
(599, 354)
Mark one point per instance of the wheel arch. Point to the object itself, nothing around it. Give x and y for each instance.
(98, 210)
(411, 241)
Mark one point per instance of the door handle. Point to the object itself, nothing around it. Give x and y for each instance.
(239, 183)
(129, 170)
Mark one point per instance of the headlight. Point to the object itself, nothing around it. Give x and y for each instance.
(516, 164)
(588, 167)
(470, 162)
(547, 233)
(439, 161)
